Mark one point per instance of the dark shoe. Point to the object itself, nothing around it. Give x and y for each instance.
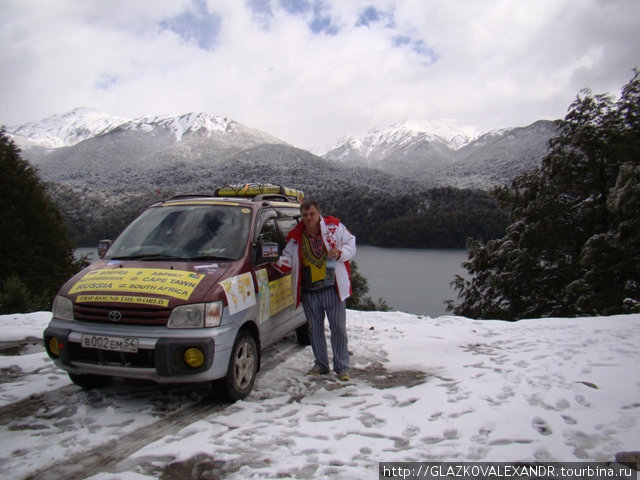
(318, 369)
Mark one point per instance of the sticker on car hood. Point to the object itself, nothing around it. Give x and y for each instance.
(157, 302)
(171, 283)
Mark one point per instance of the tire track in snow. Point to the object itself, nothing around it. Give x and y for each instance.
(105, 457)
(28, 407)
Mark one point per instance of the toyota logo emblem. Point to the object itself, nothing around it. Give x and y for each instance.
(115, 316)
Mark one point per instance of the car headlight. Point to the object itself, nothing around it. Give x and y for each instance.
(62, 308)
(196, 315)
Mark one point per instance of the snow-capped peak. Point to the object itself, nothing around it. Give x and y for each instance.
(179, 125)
(445, 131)
(63, 130)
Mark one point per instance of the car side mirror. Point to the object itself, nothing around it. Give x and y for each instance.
(268, 251)
(103, 247)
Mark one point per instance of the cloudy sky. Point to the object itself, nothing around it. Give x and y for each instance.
(312, 71)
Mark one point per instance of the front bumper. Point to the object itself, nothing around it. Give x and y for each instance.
(160, 355)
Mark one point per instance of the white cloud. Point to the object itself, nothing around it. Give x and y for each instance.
(310, 71)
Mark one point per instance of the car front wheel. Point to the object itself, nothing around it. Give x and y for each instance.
(243, 368)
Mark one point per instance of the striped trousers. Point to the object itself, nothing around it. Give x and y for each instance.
(315, 305)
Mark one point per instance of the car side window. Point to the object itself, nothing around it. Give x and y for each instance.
(287, 219)
(285, 225)
(274, 227)
(269, 232)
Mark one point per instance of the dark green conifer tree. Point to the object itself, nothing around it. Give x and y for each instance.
(572, 247)
(36, 252)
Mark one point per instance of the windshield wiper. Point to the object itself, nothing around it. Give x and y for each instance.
(208, 257)
(153, 256)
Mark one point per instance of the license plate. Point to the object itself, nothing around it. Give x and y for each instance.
(114, 344)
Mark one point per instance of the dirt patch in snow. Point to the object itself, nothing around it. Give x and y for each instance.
(31, 345)
(379, 377)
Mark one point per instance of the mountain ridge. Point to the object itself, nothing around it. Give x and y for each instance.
(64, 130)
(86, 145)
(464, 160)
(445, 131)
(80, 124)
(103, 181)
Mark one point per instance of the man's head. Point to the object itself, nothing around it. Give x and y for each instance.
(310, 212)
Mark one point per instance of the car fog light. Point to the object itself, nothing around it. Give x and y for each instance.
(53, 346)
(194, 357)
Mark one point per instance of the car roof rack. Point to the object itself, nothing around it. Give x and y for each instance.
(189, 195)
(271, 197)
(261, 191)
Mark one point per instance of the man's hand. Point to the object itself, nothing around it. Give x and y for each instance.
(334, 254)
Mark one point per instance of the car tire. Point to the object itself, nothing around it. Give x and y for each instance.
(242, 371)
(87, 382)
(302, 334)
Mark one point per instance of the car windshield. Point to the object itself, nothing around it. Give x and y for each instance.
(185, 232)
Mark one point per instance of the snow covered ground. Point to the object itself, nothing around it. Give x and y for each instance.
(423, 389)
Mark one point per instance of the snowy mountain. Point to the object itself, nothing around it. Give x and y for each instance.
(404, 148)
(82, 124)
(203, 126)
(65, 129)
(116, 166)
(443, 153)
(87, 147)
(498, 156)
(381, 142)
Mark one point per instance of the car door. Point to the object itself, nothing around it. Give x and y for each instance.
(275, 298)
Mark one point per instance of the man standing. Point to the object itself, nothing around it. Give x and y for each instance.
(317, 254)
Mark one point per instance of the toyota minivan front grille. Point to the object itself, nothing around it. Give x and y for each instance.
(125, 314)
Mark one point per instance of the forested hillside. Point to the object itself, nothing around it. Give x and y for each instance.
(430, 218)
(434, 218)
(380, 209)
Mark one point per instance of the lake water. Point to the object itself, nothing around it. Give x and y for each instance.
(409, 280)
(90, 252)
